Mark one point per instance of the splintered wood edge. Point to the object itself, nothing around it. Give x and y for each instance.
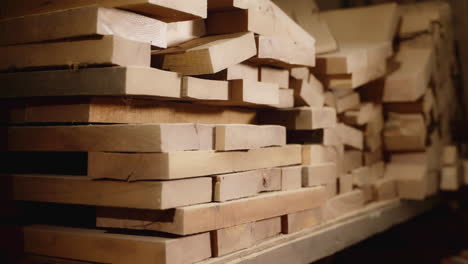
(377, 217)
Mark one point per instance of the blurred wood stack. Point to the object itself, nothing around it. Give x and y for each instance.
(176, 131)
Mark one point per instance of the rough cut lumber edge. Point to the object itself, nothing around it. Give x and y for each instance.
(249, 92)
(214, 216)
(106, 138)
(108, 50)
(246, 184)
(319, 242)
(85, 191)
(299, 221)
(174, 10)
(186, 164)
(86, 244)
(201, 89)
(231, 239)
(302, 118)
(120, 110)
(109, 81)
(241, 137)
(84, 21)
(210, 54)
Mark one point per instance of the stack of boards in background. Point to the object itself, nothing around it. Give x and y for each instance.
(189, 130)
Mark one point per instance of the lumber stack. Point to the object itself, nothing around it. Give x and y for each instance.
(421, 106)
(142, 131)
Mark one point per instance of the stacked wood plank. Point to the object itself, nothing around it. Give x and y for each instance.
(195, 129)
(420, 103)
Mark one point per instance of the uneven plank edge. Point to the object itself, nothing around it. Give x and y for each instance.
(207, 217)
(85, 191)
(186, 164)
(321, 241)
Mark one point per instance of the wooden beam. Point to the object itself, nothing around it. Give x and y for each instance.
(249, 92)
(414, 182)
(302, 118)
(111, 138)
(186, 164)
(291, 178)
(286, 98)
(214, 216)
(317, 154)
(183, 31)
(241, 71)
(351, 136)
(343, 204)
(299, 221)
(86, 244)
(83, 21)
(109, 81)
(108, 50)
(365, 113)
(308, 93)
(405, 132)
(177, 10)
(246, 184)
(274, 75)
(319, 175)
(241, 137)
(209, 55)
(385, 189)
(231, 239)
(85, 191)
(352, 160)
(451, 178)
(201, 89)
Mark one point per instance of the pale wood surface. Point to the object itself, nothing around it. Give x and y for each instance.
(405, 132)
(185, 164)
(351, 136)
(83, 21)
(108, 50)
(302, 118)
(291, 178)
(248, 92)
(274, 75)
(214, 216)
(343, 204)
(299, 221)
(88, 245)
(109, 81)
(85, 191)
(240, 137)
(201, 89)
(318, 175)
(183, 31)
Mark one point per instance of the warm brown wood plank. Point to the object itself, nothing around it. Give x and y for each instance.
(94, 245)
(343, 204)
(85, 191)
(112, 138)
(302, 118)
(173, 10)
(299, 221)
(201, 89)
(319, 175)
(108, 50)
(119, 110)
(83, 21)
(109, 81)
(214, 216)
(405, 132)
(185, 164)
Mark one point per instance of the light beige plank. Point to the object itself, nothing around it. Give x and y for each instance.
(201, 89)
(299, 221)
(241, 137)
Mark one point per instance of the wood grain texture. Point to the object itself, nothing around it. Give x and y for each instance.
(94, 245)
(109, 81)
(83, 21)
(185, 164)
(239, 137)
(214, 216)
(85, 191)
(201, 89)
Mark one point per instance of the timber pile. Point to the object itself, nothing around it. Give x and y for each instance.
(194, 129)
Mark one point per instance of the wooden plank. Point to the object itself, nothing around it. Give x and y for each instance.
(241, 137)
(308, 93)
(286, 98)
(365, 113)
(231, 239)
(185, 164)
(201, 89)
(413, 180)
(351, 136)
(108, 50)
(419, 17)
(83, 21)
(352, 160)
(112, 138)
(109, 81)
(209, 54)
(302, 73)
(246, 184)
(318, 154)
(274, 75)
(343, 204)
(119, 110)
(405, 132)
(450, 178)
(450, 155)
(35, 259)
(345, 183)
(302, 118)
(291, 178)
(296, 222)
(319, 175)
(214, 216)
(183, 31)
(385, 189)
(241, 71)
(163, 10)
(284, 53)
(347, 102)
(84, 191)
(414, 74)
(88, 245)
(248, 92)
